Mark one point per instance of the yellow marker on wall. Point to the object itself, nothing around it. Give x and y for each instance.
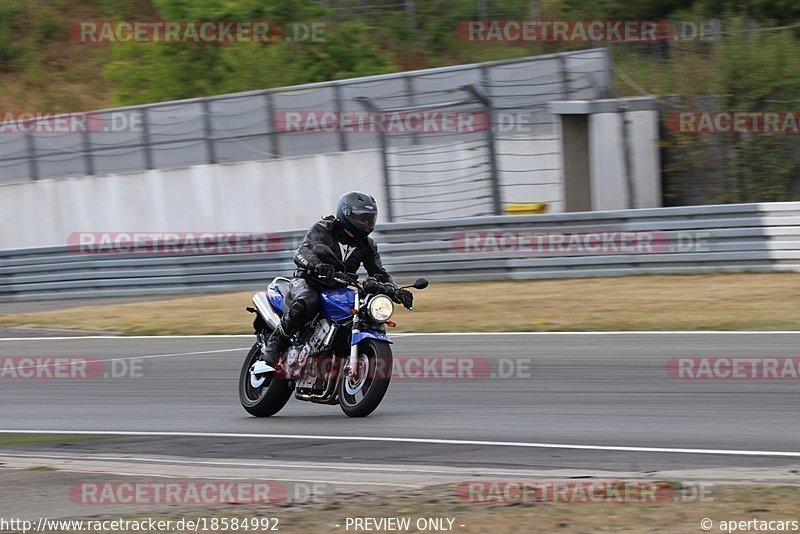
(530, 208)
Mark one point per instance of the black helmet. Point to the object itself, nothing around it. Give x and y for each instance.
(357, 212)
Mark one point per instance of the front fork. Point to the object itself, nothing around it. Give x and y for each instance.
(352, 372)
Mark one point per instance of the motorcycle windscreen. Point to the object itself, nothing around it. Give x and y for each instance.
(337, 303)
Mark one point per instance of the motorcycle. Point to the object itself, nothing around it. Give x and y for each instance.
(343, 356)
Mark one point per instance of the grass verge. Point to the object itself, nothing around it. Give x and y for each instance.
(691, 302)
(726, 503)
(18, 440)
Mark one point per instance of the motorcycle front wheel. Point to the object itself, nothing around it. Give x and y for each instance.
(360, 395)
(261, 395)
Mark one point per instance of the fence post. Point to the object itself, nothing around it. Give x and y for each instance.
(562, 67)
(148, 155)
(411, 14)
(412, 102)
(370, 106)
(209, 132)
(490, 141)
(87, 150)
(274, 140)
(337, 98)
(626, 155)
(30, 148)
(609, 91)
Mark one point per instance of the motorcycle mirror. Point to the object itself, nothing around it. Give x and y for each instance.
(421, 283)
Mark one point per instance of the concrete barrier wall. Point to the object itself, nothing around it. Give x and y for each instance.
(255, 196)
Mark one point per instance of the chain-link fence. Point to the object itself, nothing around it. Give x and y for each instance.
(253, 126)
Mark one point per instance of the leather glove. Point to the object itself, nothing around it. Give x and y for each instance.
(405, 297)
(324, 271)
(390, 290)
(372, 286)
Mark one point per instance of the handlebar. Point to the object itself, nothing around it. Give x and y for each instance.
(345, 279)
(340, 280)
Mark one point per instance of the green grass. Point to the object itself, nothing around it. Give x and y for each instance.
(18, 440)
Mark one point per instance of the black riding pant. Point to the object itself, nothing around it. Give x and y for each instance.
(299, 306)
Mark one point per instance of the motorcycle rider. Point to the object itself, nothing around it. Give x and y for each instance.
(347, 235)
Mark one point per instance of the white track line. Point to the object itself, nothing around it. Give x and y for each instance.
(601, 333)
(532, 445)
(424, 334)
(69, 338)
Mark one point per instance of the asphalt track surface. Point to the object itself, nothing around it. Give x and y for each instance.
(581, 390)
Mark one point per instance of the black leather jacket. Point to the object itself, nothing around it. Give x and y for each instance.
(329, 232)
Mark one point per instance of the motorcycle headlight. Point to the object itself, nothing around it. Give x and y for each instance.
(381, 308)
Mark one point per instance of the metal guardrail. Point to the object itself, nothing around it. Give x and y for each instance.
(726, 238)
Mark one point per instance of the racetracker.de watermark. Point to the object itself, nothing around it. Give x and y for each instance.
(174, 242)
(435, 368)
(587, 31)
(734, 122)
(734, 368)
(106, 32)
(588, 242)
(194, 492)
(49, 368)
(559, 31)
(511, 492)
(45, 122)
(373, 122)
(410, 122)
(456, 368)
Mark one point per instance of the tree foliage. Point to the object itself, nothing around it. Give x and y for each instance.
(146, 72)
(755, 71)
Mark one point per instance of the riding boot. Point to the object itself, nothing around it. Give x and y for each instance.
(276, 345)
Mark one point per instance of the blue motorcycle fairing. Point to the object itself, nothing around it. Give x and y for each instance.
(337, 303)
(358, 337)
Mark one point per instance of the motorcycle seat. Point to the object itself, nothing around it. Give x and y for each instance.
(282, 285)
(277, 291)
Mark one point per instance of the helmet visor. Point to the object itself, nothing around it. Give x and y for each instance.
(363, 219)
